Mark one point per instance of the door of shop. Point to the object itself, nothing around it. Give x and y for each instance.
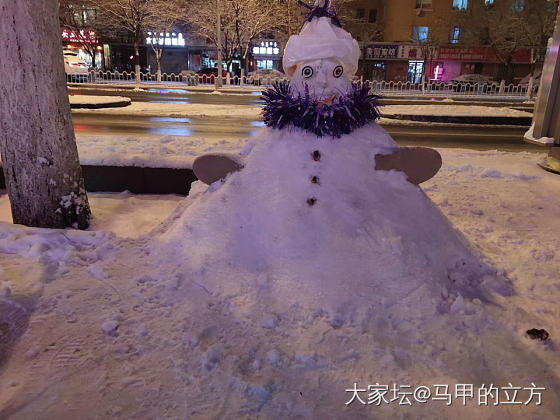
(415, 70)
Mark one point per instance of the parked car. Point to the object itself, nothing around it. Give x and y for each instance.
(467, 83)
(264, 76)
(209, 74)
(76, 69)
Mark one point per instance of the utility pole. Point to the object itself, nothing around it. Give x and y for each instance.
(219, 44)
(546, 120)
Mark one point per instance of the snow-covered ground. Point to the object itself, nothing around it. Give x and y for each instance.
(149, 151)
(96, 100)
(151, 109)
(126, 215)
(113, 337)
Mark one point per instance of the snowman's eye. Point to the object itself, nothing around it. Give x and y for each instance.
(307, 72)
(338, 70)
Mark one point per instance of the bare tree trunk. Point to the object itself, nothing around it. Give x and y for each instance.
(137, 57)
(37, 143)
(158, 70)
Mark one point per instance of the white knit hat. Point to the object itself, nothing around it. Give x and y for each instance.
(320, 39)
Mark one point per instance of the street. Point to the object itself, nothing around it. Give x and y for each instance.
(504, 138)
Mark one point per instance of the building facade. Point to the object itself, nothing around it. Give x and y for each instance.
(425, 36)
(401, 41)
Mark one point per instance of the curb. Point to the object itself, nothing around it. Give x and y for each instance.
(518, 121)
(117, 104)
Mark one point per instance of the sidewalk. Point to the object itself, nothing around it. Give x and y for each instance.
(123, 85)
(458, 114)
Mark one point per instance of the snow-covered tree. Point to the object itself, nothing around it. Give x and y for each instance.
(289, 16)
(252, 18)
(202, 16)
(537, 23)
(508, 26)
(161, 20)
(39, 155)
(129, 15)
(241, 21)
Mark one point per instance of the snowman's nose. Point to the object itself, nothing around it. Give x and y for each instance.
(321, 79)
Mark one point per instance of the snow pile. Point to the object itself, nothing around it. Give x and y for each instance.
(55, 249)
(530, 136)
(361, 233)
(485, 172)
(97, 100)
(360, 286)
(281, 323)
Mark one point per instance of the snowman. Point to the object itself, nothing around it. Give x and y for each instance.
(322, 209)
(321, 98)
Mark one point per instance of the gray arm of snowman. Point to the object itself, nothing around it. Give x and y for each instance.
(418, 163)
(213, 167)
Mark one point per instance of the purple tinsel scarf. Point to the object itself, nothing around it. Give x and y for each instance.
(344, 115)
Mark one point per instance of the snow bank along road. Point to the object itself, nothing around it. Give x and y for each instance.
(169, 94)
(96, 101)
(154, 109)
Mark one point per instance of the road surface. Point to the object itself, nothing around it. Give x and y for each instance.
(215, 129)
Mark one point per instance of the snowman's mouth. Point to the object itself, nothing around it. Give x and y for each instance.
(327, 101)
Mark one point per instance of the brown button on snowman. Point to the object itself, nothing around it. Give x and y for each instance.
(320, 63)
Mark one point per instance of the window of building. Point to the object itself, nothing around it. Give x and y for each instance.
(454, 35)
(360, 13)
(167, 39)
(420, 33)
(489, 2)
(518, 5)
(423, 4)
(265, 64)
(460, 4)
(82, 15)
(372, 15)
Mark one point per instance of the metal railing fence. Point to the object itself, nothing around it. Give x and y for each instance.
(378, 87)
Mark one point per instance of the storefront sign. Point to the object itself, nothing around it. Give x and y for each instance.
(480, 54)
(415, 52)
(381, 52)
(89, 37)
